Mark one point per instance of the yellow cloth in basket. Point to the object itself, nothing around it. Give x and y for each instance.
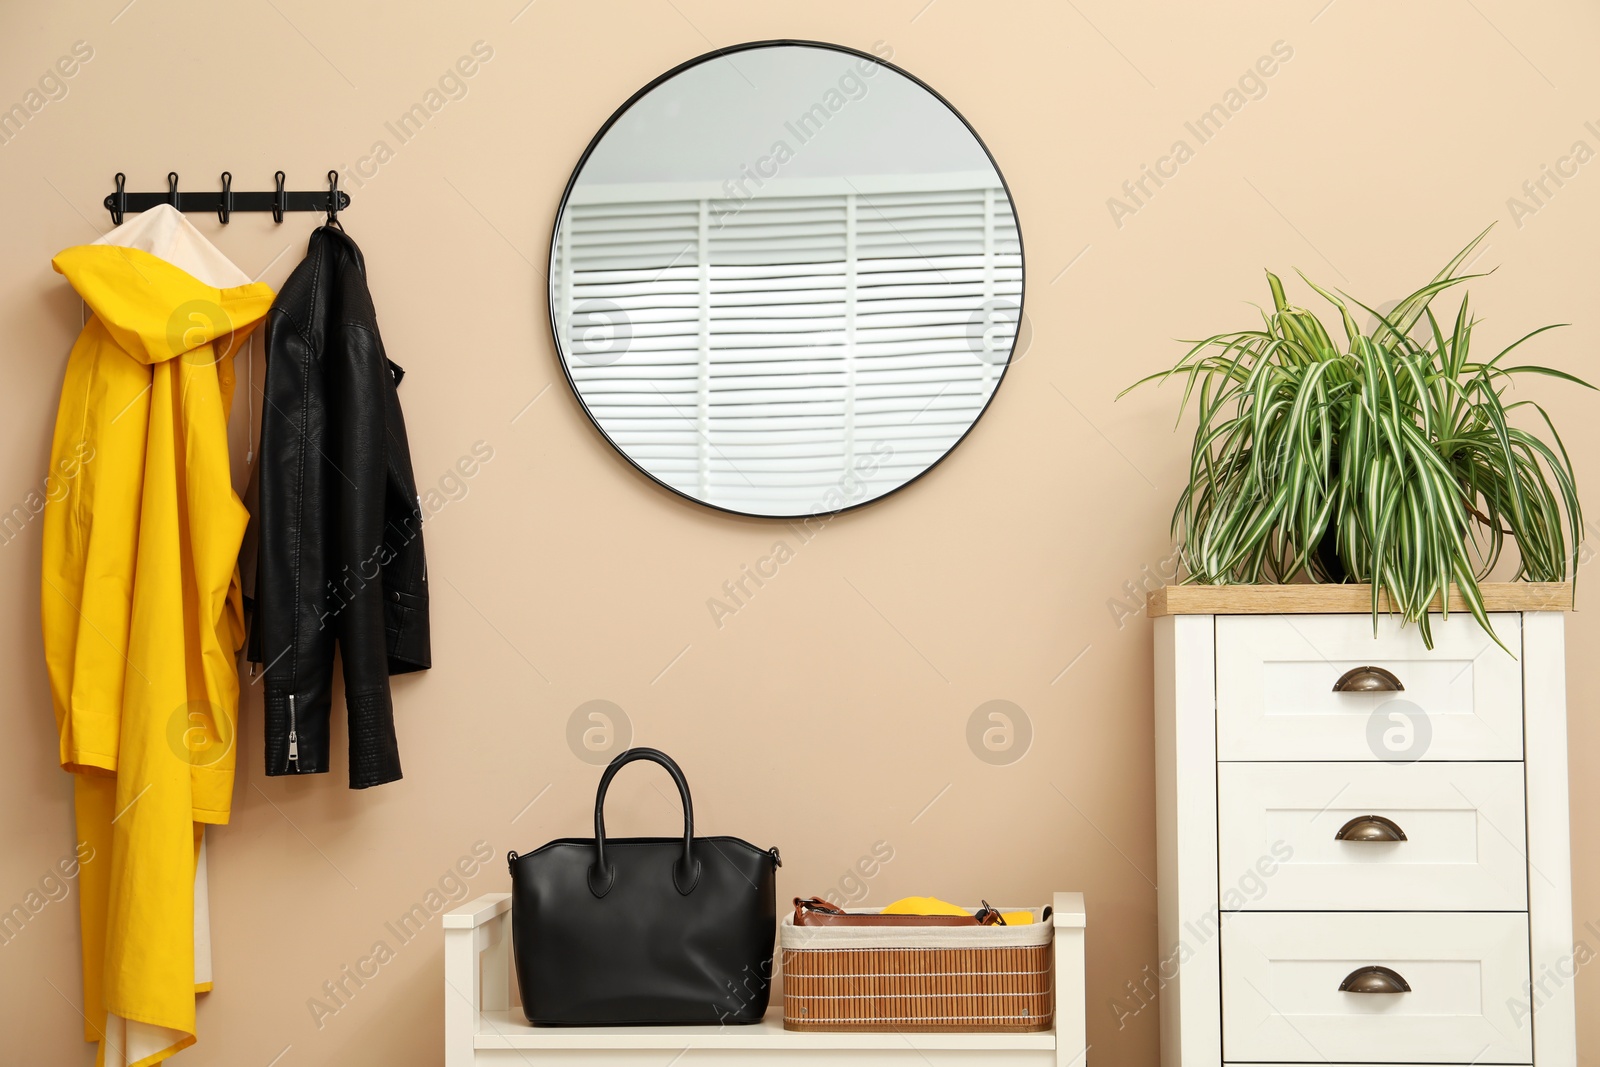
(935, 906)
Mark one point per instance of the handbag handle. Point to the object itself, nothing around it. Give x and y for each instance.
(686, 872)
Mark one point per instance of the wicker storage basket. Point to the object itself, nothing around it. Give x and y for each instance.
(918, 979)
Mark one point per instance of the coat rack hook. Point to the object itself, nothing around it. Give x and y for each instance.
(333, 198)
(118, 201)
(227, 198)
(278, 199)
(172, 187)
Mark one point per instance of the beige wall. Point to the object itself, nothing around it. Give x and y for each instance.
(830, 712)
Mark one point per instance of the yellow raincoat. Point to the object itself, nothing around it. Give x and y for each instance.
(142, 616)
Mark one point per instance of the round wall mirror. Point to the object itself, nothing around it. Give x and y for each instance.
(786, 279)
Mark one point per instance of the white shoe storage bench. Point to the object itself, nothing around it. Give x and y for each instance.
(482, 1029)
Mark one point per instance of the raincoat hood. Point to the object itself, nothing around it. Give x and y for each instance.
(155, 311)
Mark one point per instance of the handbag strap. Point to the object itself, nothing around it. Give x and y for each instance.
(686, 872)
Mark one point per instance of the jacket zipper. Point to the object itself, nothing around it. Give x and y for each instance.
(294, 740)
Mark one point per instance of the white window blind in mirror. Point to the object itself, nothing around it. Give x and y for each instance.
(825, 336)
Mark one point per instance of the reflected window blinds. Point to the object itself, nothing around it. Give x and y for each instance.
(755, 352)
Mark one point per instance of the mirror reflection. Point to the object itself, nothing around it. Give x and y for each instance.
(786, 280)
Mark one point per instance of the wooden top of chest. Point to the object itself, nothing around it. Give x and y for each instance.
(1307, 599)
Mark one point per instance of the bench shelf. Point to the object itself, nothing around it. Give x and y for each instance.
(483, 1029)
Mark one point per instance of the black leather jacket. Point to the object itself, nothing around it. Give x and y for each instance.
(340, 528)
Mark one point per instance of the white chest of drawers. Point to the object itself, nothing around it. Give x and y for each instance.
(1363, 844)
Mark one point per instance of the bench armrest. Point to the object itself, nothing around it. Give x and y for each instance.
(1072, 1038)
(475, 913)
(1068, 910)
(477, 970)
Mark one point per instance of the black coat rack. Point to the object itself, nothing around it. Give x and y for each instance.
(331, 200)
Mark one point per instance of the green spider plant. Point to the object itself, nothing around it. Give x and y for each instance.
(1389, 458)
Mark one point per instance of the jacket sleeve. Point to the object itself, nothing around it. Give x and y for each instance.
(384, 628)
(374, 751)
(405, 573)
(297, 605)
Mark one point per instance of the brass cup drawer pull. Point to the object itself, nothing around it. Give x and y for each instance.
(1368, 680)
(1370, 828)
(1374, 979)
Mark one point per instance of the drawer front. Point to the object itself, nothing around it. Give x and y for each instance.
(1281, 1000)
(1276, 700)
(1279, 828)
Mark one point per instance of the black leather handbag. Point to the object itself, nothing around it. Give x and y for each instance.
(644, 931)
